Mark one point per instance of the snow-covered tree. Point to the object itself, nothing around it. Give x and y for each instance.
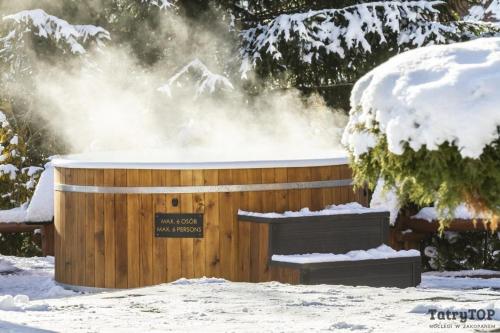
(197, 75)
(486, 10)
(33, 33)
(329, 48)
(17, 177)
(67, 36)
(162, 4)
(30, 39)
(17, 184)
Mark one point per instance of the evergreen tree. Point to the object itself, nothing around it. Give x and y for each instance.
(17, 176)
(17, 183)
(33, 38)
(327, 50)
(28, 39)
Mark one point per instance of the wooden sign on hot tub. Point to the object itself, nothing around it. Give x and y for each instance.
(179, 225)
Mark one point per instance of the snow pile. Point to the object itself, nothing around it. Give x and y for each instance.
(433, 280)
(203, 280)
(466, 273)
(381, 252)
(14, 215)
(429, 96)
(334, 31)
(41, 206)
(8, 169)
(49, 26)
(461, 212)
(33, 278)
(6, 266)
(19, 303)
(349, 208)
(207, 81)
(386, 200)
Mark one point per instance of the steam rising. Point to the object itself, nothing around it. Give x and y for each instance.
(114, 104)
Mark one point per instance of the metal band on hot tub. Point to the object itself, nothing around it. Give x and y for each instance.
(202, 189)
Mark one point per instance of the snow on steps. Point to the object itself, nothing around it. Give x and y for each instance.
(400, 272)
(381, 252)
(308, 248)
(349, 208)
(333, 230)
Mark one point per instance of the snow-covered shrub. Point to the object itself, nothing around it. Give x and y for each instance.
(462, 251)
(428, 123)
(17, 177)
(17, 183)
(24, 244)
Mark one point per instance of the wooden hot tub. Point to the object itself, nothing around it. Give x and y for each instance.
(125, 225)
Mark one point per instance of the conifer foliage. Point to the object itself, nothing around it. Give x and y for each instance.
(17, 176)
(331, 48)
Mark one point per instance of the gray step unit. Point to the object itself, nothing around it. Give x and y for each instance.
(325, 233)
(393, 272)
(339, 234)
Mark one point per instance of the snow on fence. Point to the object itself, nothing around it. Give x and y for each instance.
(41, 206)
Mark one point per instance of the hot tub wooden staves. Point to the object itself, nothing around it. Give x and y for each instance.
(105, 218)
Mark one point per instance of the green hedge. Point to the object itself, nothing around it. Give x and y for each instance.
(441, 177)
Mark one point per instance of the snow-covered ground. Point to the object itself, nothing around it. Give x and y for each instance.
(217, 305)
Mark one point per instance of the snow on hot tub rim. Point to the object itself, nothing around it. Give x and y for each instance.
(88, 161)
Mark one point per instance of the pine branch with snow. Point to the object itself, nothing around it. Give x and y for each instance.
(19, 57)
(51, 27)
(16, 179)
(13, 56)
(162, 4)
(347, 33)
(205, 81)
(488, 10)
